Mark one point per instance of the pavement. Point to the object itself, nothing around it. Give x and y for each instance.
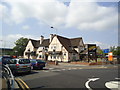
(79, 66)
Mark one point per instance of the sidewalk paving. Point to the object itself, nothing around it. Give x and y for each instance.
(72, 66)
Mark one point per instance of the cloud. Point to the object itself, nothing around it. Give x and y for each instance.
(80, 15)
(25, 27)
(8, 41)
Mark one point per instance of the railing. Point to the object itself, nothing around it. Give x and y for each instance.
(8, 77)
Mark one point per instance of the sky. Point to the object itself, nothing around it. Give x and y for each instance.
(96, 22)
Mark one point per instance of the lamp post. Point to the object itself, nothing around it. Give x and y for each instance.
(54, 29)
(54, 51)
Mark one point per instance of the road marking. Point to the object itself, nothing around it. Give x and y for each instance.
(117, 78)
(63, 69)
(51, 68)
(89, 80)
(74, 68)
(69, 68)
(56, 70)
(112, 84)
(22, 83)
(46, 71)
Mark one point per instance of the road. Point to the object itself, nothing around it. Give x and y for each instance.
(70, 77)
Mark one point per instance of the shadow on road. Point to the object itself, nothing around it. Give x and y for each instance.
(38, 88)
(25, 73)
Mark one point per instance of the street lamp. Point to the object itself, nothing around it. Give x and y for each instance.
(54, 29)
(54, 52)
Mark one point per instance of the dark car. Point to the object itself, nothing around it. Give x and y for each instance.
(37, 64)
(19, 65)
(5, 59)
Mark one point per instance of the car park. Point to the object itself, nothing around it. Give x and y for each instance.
(19, 65)
(37, 63)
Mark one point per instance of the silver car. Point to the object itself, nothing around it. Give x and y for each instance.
(19, 65)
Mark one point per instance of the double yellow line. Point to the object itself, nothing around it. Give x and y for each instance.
(22, 84)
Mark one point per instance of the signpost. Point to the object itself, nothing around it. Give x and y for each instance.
(106, 50)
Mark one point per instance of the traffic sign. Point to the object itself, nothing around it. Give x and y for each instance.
(106, 50)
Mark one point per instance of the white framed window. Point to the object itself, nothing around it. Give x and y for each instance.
(54, 47)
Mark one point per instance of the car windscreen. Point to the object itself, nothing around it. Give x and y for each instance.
(12, 61)
(40, 61)
(33, 61)
(24, 61)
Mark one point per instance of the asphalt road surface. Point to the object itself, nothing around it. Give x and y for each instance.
(71, 77)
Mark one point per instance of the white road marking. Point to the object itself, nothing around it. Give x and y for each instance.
(69, 69)
(117, 78)
(74, 68)
(46, 71)
(56, 70)
(51, 68)
(113, 85)
(87, 83)
(63, 69)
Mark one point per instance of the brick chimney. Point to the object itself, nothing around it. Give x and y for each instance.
(51, 37)
(41, 39)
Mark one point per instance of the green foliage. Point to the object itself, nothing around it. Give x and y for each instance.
(99, 51)
(115, 50)
(20, 46)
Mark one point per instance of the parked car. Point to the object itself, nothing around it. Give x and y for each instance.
(37, 63)
(5, 59)
(19, 65)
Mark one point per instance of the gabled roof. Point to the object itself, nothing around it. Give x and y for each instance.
(45, 43)
(65, 42)
(75, 41)
(69, 43)
(36, 43)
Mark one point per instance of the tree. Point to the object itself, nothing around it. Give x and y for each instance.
(20, 46)
(99, 51)
(115, 50)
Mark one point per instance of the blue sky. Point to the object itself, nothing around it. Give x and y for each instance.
(95, 22)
